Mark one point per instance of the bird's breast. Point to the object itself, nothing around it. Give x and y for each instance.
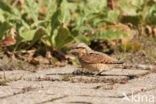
(95, 67)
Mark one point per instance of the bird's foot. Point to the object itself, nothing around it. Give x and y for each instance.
(98, 73)
(77, 72)
(82, 72)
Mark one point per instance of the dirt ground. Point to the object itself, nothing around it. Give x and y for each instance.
(59, 85)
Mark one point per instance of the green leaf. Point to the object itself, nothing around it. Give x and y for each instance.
(55, 20)
(111, 35)
(5, 7)
(37, 37)
(63, 37)
(27, 35)
(59, 2)
(152, 15)
(82, 38)
(4, 26)
(2, 18)
(31, 7)
(112, 16)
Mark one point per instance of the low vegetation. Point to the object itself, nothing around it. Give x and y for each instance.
(49, 27)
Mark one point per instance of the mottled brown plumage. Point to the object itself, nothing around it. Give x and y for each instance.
(92, 60)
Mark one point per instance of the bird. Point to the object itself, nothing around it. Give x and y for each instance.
(93, 61)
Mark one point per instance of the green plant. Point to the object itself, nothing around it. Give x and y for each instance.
(57, 23)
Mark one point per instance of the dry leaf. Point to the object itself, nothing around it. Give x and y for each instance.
(154, 32)
(39, 60)
(43, 10)
(10, 38)
(111, 4)
(148, 30)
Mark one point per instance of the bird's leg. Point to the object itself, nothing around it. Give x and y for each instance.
(84, 71)
(78, 71)
(99, 73)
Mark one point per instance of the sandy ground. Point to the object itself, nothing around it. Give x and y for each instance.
(60, 86)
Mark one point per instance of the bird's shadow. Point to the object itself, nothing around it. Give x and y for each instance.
(76, 73)
(85, 73)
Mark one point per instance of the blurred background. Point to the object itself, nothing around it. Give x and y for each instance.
(42, 31)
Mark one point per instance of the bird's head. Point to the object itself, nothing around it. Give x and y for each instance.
(80, 49)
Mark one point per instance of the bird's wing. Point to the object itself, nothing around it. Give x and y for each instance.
(93, 58)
